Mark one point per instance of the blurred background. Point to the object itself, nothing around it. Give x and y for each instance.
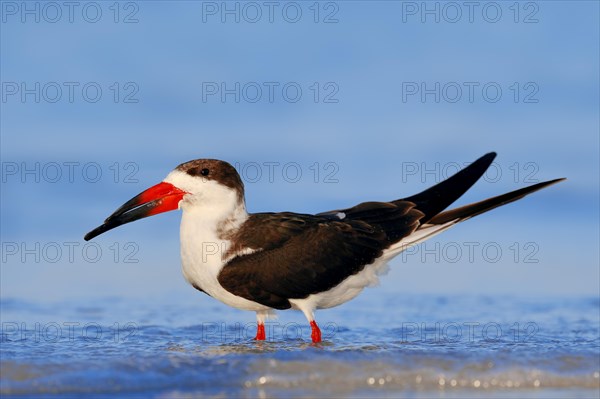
(319, 105)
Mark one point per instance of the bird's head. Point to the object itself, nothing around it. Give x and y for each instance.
(208, 186)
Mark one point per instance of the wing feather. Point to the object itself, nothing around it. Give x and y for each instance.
(297, 255)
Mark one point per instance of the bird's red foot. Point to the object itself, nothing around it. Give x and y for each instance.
(316, 332)
(260, 332)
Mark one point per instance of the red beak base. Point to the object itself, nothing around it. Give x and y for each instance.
(160, 198)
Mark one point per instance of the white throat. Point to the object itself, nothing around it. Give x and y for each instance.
(211, 213)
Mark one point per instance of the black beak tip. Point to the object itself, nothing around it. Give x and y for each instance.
(96, 232)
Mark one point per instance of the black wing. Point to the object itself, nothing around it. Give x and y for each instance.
(298, 255)
(436, 198)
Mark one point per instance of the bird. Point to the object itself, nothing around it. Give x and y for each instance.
(265, 262)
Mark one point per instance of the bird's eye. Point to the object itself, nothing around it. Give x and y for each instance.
(204, 172)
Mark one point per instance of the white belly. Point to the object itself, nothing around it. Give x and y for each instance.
(346, 290)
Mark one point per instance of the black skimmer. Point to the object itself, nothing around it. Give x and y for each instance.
(273, 261)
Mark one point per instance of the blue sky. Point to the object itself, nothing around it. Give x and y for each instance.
(524, 83)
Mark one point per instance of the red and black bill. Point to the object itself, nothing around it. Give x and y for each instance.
(160, 198)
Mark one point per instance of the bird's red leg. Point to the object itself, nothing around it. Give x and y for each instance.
(260, 332)
(316, 332)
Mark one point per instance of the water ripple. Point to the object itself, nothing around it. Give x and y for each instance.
(530, 349)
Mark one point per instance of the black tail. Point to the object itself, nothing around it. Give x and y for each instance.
(477, 208)
(437, 198)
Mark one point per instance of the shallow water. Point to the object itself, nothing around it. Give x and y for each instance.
(380, 345)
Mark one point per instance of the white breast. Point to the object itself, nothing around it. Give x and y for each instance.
(201, 259)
